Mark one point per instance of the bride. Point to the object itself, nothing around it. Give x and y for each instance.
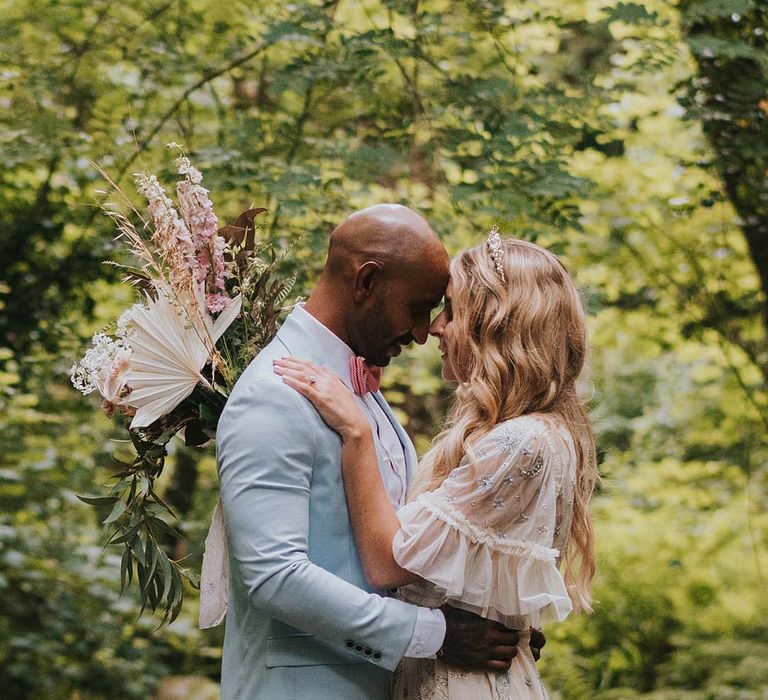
(500, 502)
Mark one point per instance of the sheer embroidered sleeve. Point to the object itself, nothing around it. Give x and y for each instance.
(484, 539)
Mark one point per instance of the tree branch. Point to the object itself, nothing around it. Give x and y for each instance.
(202, 82)
(207, 77)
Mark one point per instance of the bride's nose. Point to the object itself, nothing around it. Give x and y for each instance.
(437, 326)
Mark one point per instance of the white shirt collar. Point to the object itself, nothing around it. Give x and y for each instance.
(335, 350)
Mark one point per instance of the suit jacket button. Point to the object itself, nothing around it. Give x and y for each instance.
(367, 651)
(377, 656)
(349, 644)
(359, 648)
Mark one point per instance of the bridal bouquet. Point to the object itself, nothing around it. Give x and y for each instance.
(210, 300)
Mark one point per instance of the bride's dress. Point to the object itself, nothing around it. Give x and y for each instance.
(489, 540)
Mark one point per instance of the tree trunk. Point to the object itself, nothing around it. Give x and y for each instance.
(730, 97)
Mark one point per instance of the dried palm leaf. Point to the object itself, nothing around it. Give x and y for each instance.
(171, 344)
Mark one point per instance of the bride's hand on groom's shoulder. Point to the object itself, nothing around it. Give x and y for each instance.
(333, 400)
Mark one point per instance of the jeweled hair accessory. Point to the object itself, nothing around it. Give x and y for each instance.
(497, 251)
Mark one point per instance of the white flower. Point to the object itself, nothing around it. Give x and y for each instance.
(125, 322)
(103, 367)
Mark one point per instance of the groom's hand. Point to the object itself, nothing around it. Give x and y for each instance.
(537, 642)
(474, 643)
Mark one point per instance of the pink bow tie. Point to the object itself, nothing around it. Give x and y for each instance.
(364, 377)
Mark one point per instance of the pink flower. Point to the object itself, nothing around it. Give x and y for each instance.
(216, 302)
(197, 209)
(177, 249)
(219, 246)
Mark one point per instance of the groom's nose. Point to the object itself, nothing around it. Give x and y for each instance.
(420, 336)
(420, 333)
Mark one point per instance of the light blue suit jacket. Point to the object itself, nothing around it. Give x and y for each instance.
(302, 620)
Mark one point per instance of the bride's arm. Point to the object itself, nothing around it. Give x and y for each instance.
(374, 519)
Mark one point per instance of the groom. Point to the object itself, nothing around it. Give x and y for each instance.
(303, 622)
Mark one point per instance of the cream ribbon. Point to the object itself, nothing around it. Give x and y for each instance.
(214, 576)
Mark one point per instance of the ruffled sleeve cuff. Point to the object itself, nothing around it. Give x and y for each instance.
(487, 573)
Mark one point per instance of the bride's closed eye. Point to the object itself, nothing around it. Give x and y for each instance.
(445, 307)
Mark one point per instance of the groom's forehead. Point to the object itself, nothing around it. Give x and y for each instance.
(421, 282)
(423, 292)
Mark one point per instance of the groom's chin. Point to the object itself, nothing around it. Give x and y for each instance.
(381, 358)
(379, 361)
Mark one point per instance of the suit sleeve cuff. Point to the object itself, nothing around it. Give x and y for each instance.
(428, 634)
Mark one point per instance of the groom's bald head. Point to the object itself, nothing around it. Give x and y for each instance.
(390, 234)
(386, 270)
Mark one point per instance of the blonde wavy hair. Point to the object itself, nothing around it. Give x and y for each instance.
(524, 342)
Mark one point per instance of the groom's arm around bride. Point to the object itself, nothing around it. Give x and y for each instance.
(277, 464)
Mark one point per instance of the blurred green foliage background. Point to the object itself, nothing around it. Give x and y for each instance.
(631, 138)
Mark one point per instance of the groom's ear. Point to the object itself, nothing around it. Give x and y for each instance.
(367, 277)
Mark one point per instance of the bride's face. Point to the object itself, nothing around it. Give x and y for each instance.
(444, 329)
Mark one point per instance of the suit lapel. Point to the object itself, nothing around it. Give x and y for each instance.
(298, 342)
